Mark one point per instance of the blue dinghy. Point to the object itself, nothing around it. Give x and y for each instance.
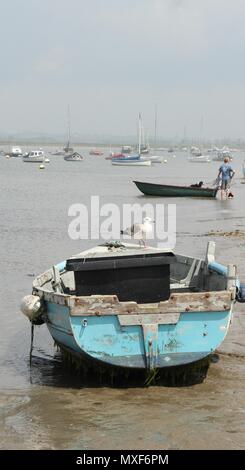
(128, 308)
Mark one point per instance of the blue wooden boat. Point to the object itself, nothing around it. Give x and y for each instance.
(126, 309)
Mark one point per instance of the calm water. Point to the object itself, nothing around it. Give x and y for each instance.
(43, 406)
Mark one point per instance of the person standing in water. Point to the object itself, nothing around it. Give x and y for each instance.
(226, 173)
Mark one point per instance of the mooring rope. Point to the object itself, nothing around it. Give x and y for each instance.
(217, 183)
(32, 340)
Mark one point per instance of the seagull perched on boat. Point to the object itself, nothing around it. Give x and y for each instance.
(140, 231)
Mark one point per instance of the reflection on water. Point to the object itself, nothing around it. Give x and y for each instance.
(44, 406)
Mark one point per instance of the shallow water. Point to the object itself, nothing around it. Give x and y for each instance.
(44, 406)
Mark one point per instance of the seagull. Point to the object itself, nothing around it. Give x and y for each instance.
(140, 231)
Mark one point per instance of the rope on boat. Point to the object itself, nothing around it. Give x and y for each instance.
(32, 341)
(152, 375)
(217, 182)
(212, 183)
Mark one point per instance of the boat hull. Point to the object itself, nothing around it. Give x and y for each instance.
(152, 189)
(33, 159)
(199, 161)
(132, 162)
(153, 159)
(126, 158)
(108, 340)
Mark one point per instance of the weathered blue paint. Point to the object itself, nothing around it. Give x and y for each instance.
(58, 315)
(61, 266)
(58, 323)
(218, 268)
(103, 338)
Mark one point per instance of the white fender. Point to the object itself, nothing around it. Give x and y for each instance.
(31, 306)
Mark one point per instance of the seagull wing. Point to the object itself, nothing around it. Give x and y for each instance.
(135, 229)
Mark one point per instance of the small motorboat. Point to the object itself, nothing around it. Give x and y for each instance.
(35, 156)
(74, 157)
(120, 309)
(166, 190)
(96, 152)
(127, 149)
(199, 159)
(144, 149)
(221, 155)
(195, 151)
(16, 152)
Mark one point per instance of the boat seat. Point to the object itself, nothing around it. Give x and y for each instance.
(191, 279)
(57, 283)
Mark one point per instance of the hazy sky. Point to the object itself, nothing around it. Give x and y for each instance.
(110, 59)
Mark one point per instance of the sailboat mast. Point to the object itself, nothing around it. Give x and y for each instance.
(68, 127)
(155, 135)
(140, 130)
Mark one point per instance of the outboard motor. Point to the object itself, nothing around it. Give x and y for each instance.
(31, 306)
(240, 294)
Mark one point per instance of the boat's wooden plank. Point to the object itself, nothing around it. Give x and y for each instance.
(181, 302)
(56, 297)
(166, 319)
(43, 278)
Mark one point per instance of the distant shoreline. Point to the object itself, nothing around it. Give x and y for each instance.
(10, 142)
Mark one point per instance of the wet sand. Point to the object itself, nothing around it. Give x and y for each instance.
(44, 406)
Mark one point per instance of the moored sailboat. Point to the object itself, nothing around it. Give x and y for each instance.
(68, 149)
(136, 159)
